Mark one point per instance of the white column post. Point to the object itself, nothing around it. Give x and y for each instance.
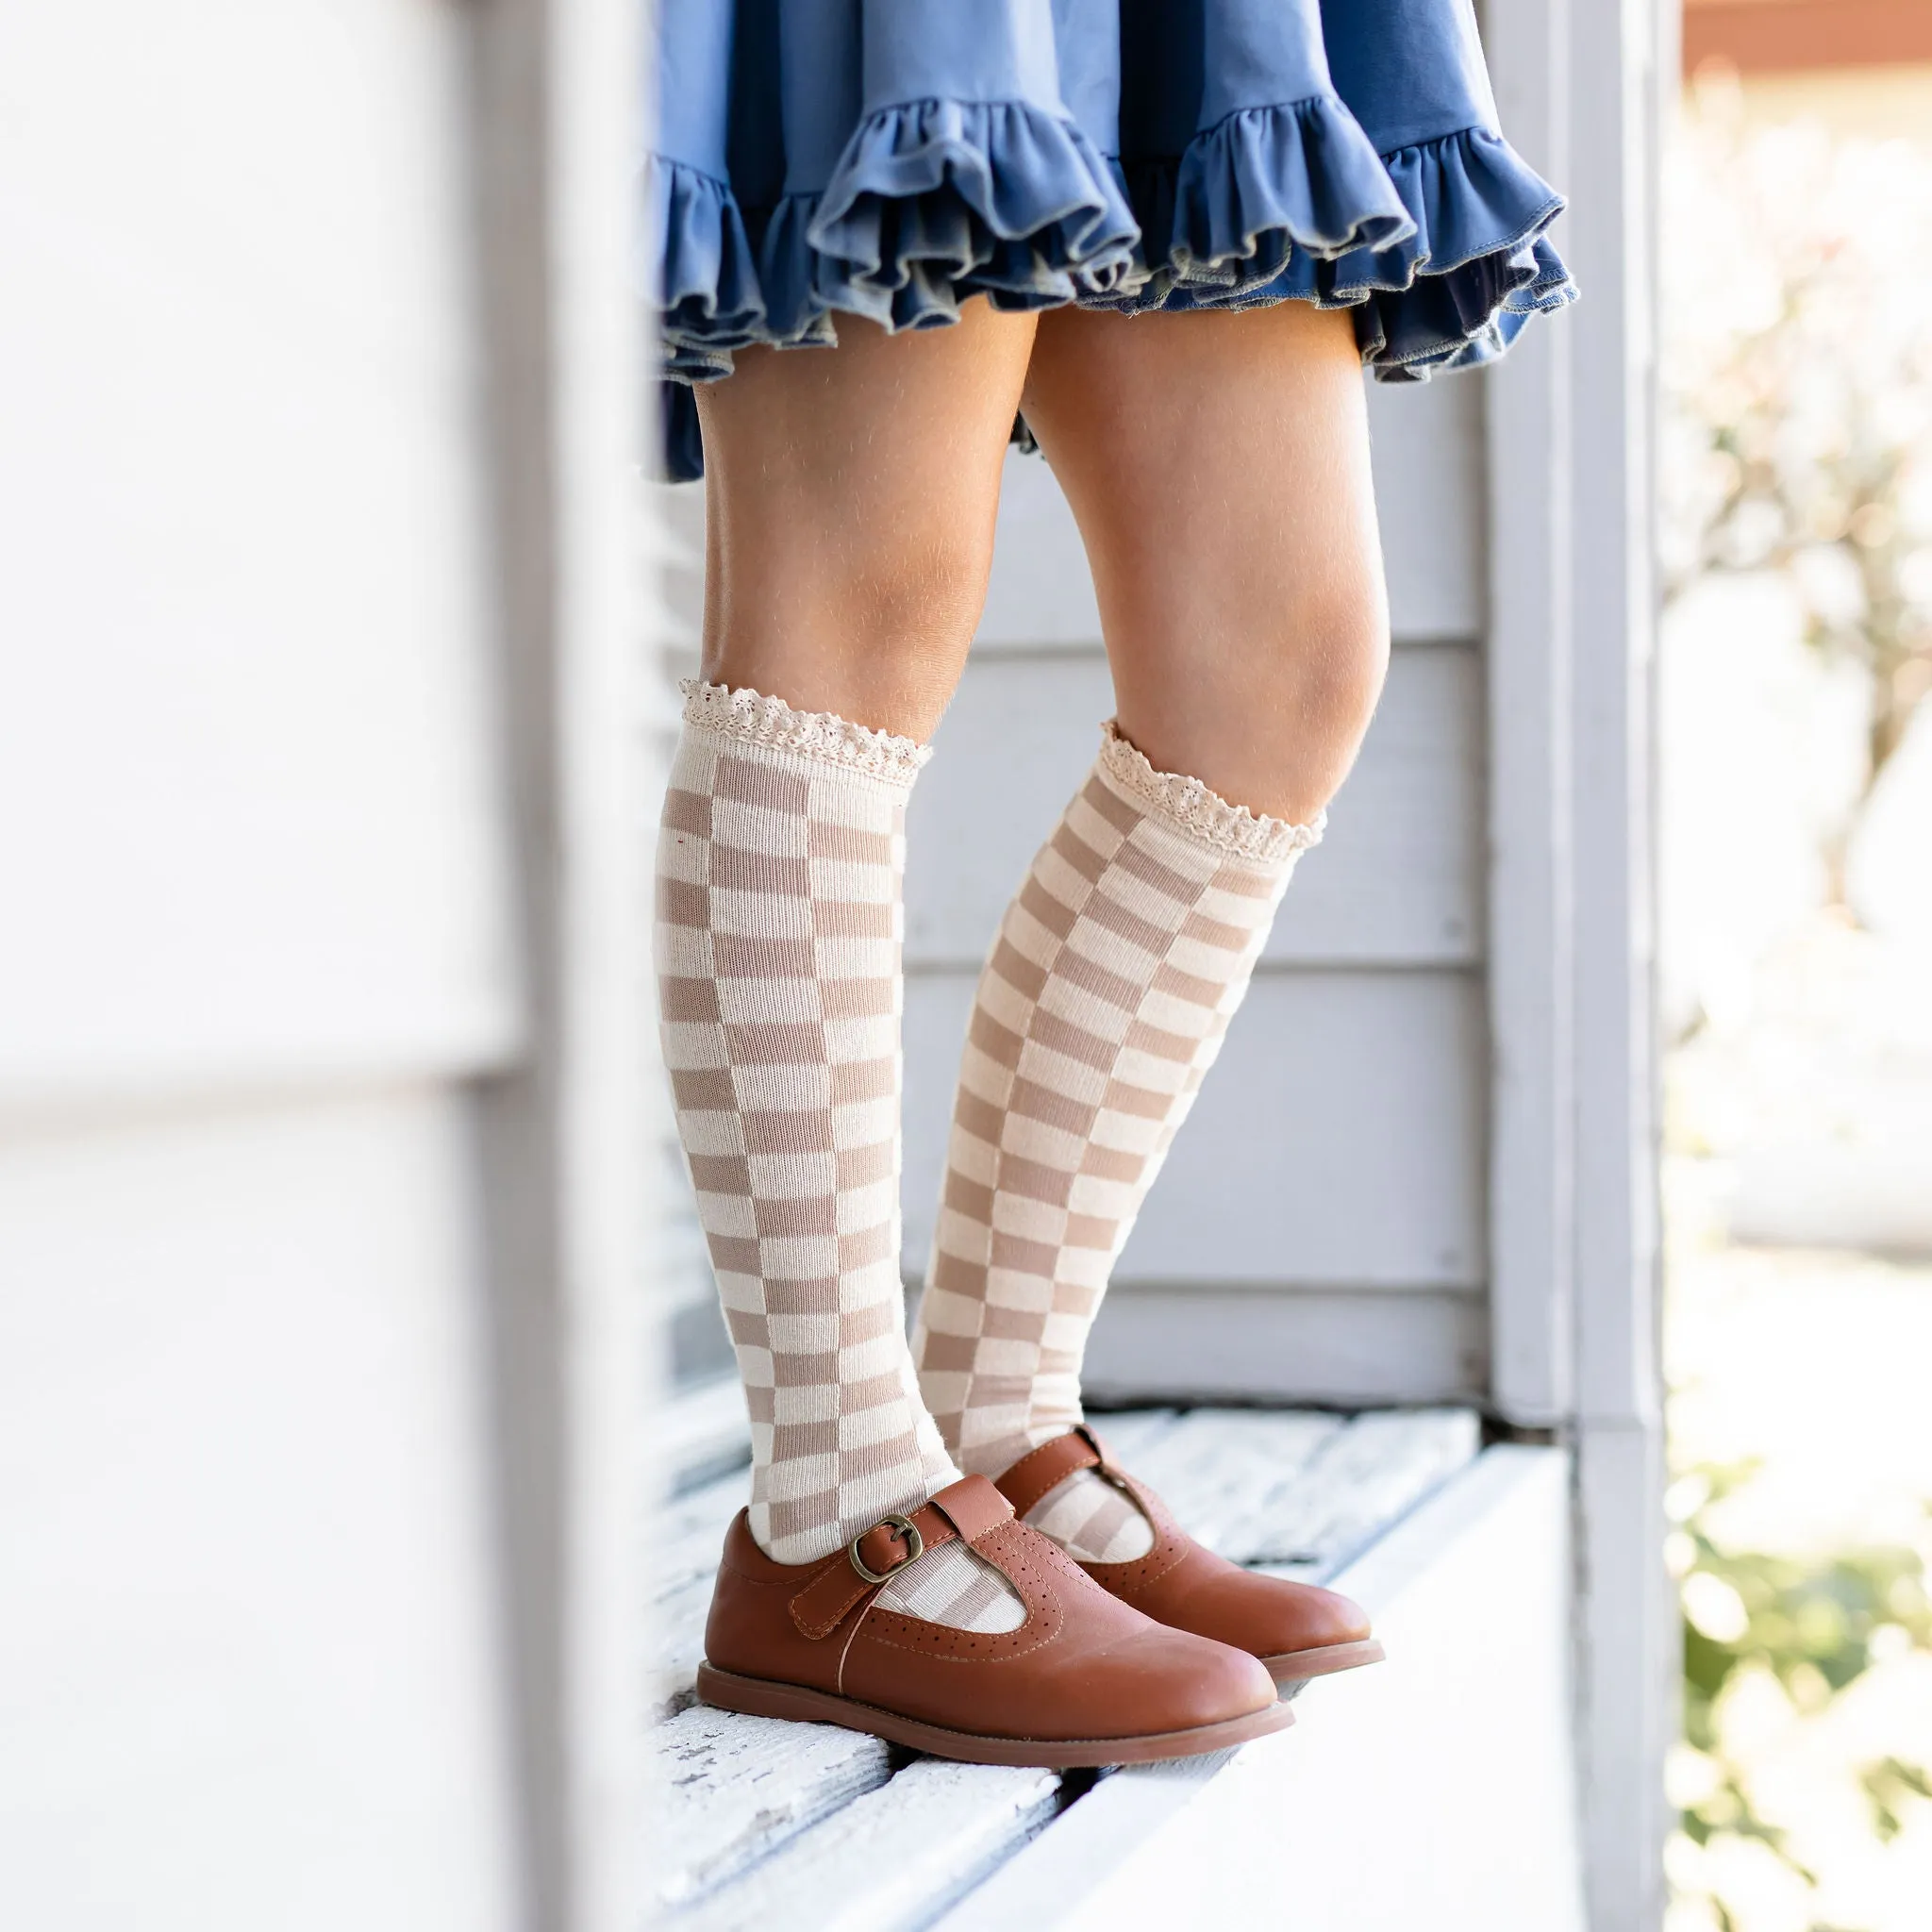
(1627, 1653)
(1531, 909)
(565, 1151)
(1572, 1216)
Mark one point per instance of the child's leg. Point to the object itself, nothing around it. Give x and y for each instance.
(852, 495)
(1218, 465)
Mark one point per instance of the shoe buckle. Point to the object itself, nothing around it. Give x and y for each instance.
(905, 1530)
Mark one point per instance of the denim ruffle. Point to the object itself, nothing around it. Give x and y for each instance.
(897, 157)
(1457, 289)
(1260, 192)
(1461, 320)
(701, 277)
(932, 202)
(935, 201)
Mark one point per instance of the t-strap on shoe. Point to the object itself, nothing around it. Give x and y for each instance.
(1298, 1630)
(1086, 1679)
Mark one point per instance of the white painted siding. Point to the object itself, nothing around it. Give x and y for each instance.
(313, 1092)
(250, 845)
(1397, 881)
(1355, 1345)
(253, 1657)
(1338, 1141)
(245, 706)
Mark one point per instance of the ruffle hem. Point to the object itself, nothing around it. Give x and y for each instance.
(1439, 248)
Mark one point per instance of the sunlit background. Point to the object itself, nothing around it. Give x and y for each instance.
(1796, 939)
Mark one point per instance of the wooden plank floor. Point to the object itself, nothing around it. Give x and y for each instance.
(794, 1827)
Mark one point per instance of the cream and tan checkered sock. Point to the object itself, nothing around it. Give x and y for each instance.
(1101, 1008)
(779, 930)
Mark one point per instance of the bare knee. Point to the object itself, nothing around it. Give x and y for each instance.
(1328, 660)
(921, 595)
(1314, 679)
(851, 494)
(1263, 691)
(871, 620)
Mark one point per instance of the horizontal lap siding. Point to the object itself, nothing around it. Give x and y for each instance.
(249, 1560)
(1338, 1141)
(1396, 882)
(1339, 1345)
(247, 710)
(257, 937)
(1319, 1228)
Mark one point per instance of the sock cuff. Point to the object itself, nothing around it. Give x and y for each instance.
(1192, 808)
(746, 717)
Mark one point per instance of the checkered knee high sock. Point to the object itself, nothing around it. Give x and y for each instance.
(778, 940)
(1099, 1011)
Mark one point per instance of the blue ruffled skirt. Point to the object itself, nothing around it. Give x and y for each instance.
(889, 158)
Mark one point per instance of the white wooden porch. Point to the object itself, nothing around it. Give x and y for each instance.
(1461, 1552)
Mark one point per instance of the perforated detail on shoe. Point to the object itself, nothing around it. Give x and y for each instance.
(1093, 1520)
(952, 1588)
(1036, 1571)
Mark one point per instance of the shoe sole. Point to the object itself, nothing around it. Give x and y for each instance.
(763, 1697)
(1293, 1669)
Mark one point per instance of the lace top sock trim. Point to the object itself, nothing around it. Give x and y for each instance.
(1190, 806)
(750, 718)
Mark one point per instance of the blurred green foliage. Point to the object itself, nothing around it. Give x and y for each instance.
(1817, 1628)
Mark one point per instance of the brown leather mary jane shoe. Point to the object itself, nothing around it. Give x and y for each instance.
(1297, 1630)
(1086, 1679)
